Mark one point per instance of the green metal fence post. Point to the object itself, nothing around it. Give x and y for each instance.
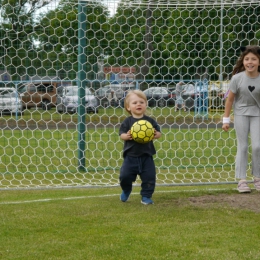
(82, 17)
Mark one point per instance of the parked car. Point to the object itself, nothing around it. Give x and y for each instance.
(10, 101)
(69, 99)
(113, 94)
(205, 95)
(196, 96)
(159, 96)
(37, 94)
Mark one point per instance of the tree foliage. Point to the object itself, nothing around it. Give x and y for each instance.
(162, 43)
(17, 33)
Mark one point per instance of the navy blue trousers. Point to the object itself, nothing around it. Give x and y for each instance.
(143, 166)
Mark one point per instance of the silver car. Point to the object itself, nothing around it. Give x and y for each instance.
(10, 101)
(68, 102)
(113, 94)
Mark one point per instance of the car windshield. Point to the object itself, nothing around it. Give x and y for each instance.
(101, 91)
(73, 91)
(104, 91)
(29, 87)
(151, 91)
(22, 90)
(7, 93)
(160, 91)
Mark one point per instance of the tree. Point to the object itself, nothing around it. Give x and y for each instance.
(17, 33)
(57, 33)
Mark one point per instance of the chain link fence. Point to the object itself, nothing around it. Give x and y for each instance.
(55, 136)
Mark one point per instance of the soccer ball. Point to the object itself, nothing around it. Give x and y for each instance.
(142, 131)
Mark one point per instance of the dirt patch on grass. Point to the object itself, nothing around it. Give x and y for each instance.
(247, 201)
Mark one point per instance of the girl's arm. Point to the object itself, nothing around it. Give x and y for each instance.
(228, 107)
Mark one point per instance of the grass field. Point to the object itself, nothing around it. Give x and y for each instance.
(44, 151)
(112, 115)
(91, 223)
(49, 157)
(199, 222)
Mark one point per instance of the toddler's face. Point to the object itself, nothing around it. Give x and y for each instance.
(136, 105)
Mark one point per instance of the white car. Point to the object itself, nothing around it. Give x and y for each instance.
(68, 102)
(10, 101)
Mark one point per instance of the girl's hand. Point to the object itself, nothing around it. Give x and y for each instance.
(225, 127)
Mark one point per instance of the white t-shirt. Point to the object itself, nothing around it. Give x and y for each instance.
(247, 94)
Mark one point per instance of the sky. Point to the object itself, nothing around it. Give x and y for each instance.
(112, 5)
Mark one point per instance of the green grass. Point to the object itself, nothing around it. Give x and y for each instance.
(109, 115)
(50, 157)
(36, 156)
(93, 224)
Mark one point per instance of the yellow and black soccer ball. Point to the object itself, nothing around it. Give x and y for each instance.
(142, 131)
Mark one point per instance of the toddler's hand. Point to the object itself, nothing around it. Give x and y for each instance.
(129, 136)
(156, 134)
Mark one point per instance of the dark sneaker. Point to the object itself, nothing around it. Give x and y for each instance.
(125, 196)
(257, 184)
(146, 201)
(242, 187)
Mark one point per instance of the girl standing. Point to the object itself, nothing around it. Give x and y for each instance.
(244, 96)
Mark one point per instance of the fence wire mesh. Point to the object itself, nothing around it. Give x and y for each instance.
(65, 66)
